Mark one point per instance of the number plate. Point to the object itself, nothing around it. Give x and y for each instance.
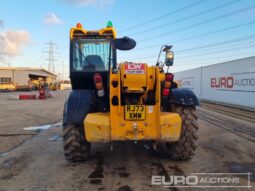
(134, 112)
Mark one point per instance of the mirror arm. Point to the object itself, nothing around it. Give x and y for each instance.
(157, 63)
(167, 70)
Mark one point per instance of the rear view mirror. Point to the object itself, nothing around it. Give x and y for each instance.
(124, 43)
(169, 61)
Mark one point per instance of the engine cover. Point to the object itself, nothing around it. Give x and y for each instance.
(133, 77)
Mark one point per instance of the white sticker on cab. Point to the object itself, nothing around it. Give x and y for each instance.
(150, 109)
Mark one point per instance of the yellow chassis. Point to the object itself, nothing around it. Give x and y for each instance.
(107, 127)
(157, 126)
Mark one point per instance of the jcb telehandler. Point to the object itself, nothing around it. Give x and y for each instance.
(125, 102)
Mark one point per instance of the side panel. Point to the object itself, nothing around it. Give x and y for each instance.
(184, 96)
(170, 126)
(97, 127)
(77, 106)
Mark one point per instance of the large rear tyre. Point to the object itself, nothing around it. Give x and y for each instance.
(185, 148)
(76, 148)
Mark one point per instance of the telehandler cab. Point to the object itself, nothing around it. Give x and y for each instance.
(125, 102)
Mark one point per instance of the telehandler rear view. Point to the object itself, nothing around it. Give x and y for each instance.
(125, 102)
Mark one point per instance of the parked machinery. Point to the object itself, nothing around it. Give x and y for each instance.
(126, 102)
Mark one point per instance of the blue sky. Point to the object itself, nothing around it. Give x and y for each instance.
(213, 30)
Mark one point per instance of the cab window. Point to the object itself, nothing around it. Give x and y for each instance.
(91, 55)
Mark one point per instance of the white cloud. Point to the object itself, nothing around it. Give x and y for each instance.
(98, 3)
(11, 42)
(1, 23)
(52, 19)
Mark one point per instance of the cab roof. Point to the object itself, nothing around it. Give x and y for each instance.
(80, 32)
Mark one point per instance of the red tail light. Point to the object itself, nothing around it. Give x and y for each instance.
(97, 78)
(99, 85)
(166, 92)
(169, 77)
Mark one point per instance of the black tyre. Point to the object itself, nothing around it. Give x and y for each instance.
(185, 148)
(76, 148)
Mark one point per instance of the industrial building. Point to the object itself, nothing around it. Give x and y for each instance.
(15, 78)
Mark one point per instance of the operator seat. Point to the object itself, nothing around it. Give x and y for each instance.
(94, 62)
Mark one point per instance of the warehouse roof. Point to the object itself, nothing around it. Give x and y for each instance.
(28, 69)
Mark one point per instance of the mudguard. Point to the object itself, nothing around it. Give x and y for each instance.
(76, 107)
(184, 96)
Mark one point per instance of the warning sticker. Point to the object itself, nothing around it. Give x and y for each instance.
(134, 68)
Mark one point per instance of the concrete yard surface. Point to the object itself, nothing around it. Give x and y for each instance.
(18, 114)
(31, 160)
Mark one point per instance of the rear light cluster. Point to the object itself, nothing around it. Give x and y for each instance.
(99, 84)
(167, 84)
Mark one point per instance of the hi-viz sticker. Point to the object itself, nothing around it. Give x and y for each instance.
(134, 68)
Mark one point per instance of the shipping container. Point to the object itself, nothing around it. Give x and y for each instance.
(231, 83)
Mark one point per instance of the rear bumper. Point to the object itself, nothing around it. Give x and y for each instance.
(98, 128)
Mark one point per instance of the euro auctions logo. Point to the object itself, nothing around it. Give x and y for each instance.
(222, 82)
(206, 180)
(172, 181)
(234, 82)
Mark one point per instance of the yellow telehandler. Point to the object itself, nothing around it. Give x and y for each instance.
(125, 102)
